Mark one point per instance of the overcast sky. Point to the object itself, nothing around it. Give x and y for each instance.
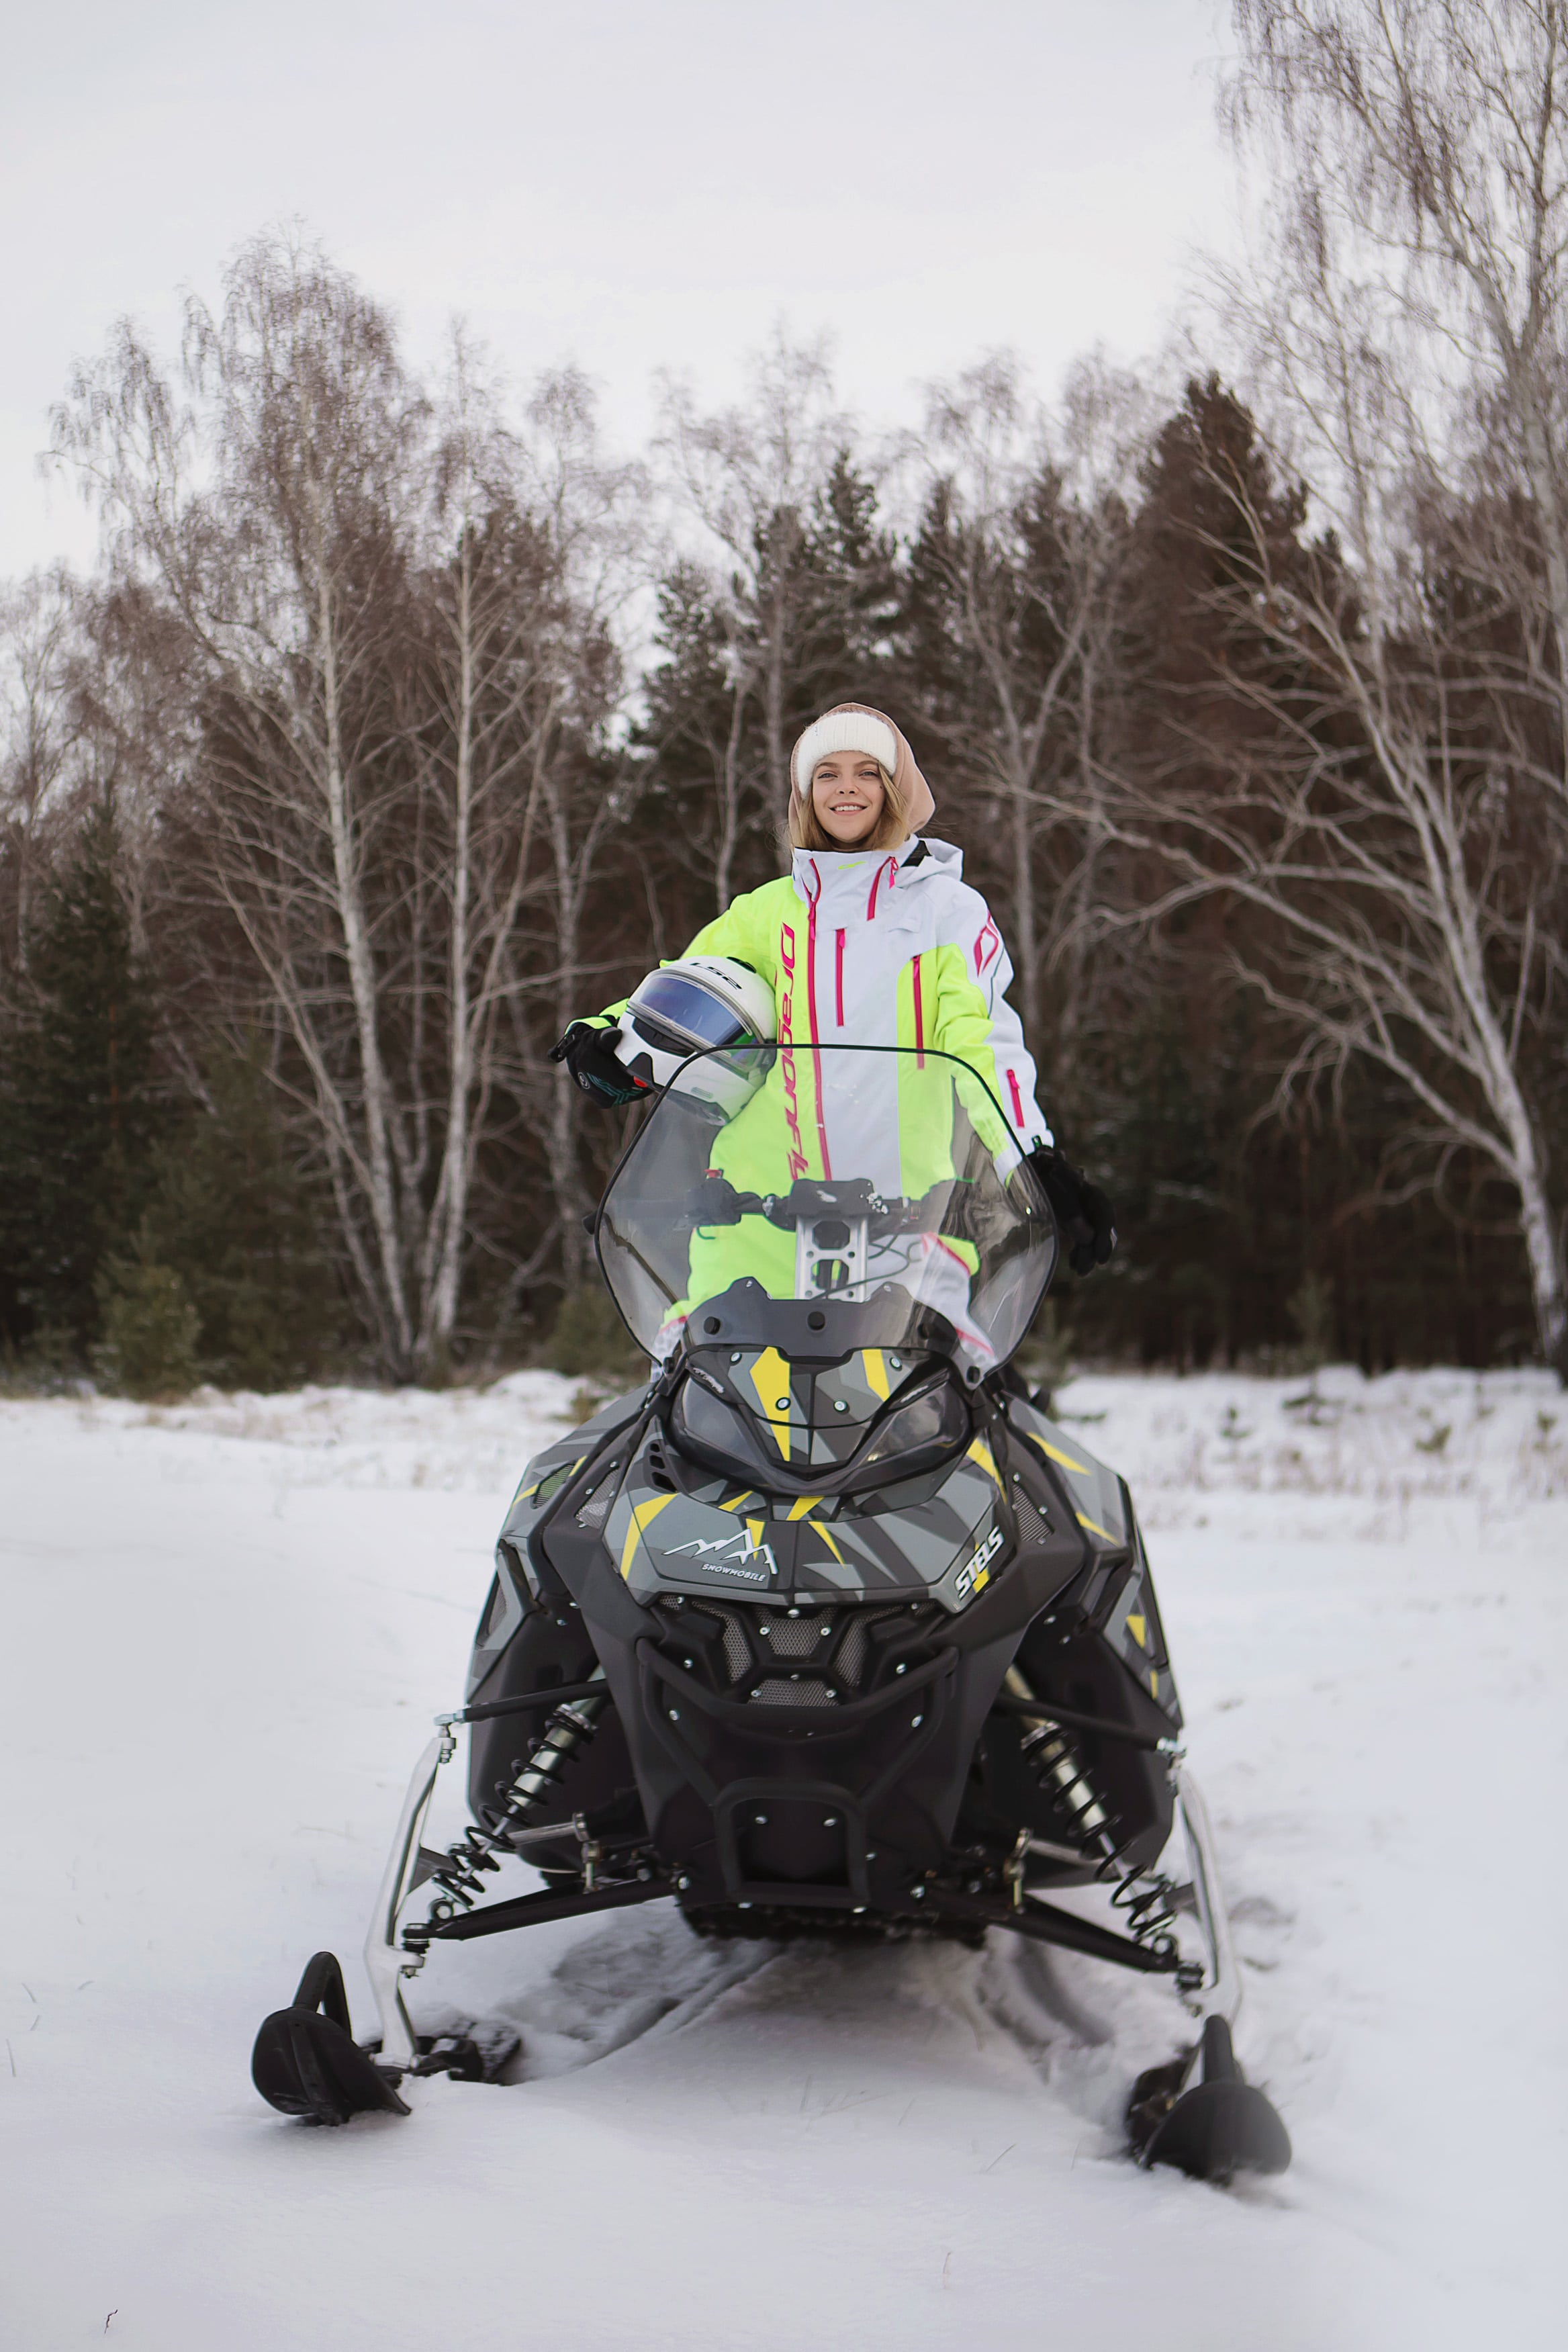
(631, 184)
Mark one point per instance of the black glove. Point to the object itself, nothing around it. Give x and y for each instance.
(586, 1050)
(1084, 1214)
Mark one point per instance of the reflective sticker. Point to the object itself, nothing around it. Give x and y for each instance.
(1066, 1460)
(875, 1371)
(770, 1378)
(643, 1515)
(981, 1453)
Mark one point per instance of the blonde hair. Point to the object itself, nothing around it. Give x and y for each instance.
(808, 832)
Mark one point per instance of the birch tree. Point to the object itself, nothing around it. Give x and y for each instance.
(1406, 898)
(748, 478)
(1010, 623)
(1409, 318)
(391, 656)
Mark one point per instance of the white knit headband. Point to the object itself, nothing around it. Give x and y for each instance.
(843, 730)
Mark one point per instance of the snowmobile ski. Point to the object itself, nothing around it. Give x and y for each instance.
(306, 2061)
(1220, 2125)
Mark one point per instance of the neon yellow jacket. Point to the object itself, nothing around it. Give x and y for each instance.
(872, 949)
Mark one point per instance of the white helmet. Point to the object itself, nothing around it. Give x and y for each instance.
(692, 1006)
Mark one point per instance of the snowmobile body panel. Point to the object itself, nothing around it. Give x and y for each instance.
(804, 1684)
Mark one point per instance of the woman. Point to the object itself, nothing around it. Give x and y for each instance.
(872, 938)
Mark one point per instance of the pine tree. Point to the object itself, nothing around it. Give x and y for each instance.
(242, 1227)
(77, 1105)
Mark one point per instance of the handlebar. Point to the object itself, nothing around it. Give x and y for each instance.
(716, 1201)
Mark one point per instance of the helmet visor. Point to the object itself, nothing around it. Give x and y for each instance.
(690, 1012)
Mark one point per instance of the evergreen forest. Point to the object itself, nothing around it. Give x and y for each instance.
(404, 720)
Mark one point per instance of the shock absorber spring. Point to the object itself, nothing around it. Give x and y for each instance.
(1143, 1896)
(460, 1871)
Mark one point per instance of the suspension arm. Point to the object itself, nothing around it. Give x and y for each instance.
(1043, 1923)
(523, 1702)
(1044, 1710)
(523, 1910)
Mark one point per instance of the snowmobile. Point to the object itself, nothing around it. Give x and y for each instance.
(829, 1628)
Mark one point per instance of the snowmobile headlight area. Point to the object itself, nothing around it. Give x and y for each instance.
(917, 1433)
(910, 1435)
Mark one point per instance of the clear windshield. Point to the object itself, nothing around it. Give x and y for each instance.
(880, 1190)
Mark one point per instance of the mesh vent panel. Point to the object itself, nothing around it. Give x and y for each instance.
(808, 1692)
(797, 1637)
(736, 1655)
(850, 1659)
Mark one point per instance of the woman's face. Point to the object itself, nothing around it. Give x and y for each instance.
(847, 796)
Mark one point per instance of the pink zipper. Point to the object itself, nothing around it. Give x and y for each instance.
(811, 1017)
(839, 978)
(1017, 1101)
(890, 867)
(919, 1022)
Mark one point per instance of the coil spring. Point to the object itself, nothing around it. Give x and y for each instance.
(460, 1873)
(1143, 1898)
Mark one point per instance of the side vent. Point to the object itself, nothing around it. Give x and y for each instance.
(1034, 1529)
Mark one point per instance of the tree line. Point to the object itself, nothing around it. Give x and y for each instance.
(402, 721)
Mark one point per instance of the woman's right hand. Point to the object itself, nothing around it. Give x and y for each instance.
(588, 1055)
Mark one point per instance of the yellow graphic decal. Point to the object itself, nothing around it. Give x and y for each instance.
(817, 1529)
(735, 1501)
(981, 1453)
(1139, 1629)
(1094, 1527)
(770, 1378)
(1066, 1460)
(875, 1371)
(754, 1529)
(642, 1516)
(806, 1504)
(1154, 1685)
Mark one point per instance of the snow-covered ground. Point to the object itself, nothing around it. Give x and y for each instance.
(223, 1629)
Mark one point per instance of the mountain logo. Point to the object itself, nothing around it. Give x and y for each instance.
(733, 1555)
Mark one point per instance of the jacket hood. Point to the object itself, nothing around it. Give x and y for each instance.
(906, 777)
